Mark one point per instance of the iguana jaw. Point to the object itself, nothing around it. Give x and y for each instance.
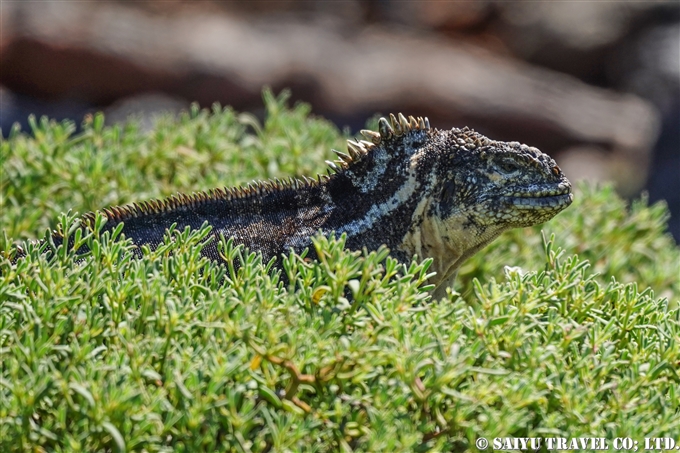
(557, 202)
(556, 196)
(537, 204)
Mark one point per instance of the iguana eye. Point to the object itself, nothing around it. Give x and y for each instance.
(508, 166)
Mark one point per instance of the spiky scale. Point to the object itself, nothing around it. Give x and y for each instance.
(333, 166)
(394, 122)
(356, 150)
(404, 123)
(344, 157)
(413, 123)
(385, 129)
(371, 136)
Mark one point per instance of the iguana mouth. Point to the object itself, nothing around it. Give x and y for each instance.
(531, 201)
(558, 197)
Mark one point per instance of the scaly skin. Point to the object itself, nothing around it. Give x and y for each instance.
(421, 191)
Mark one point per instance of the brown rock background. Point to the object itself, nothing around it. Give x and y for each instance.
(595, 84)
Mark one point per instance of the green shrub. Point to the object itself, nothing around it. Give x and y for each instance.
(571, 332)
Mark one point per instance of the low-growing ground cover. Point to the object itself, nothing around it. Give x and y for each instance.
(563, 330)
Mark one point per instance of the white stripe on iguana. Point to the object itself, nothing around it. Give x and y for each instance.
(382, 210)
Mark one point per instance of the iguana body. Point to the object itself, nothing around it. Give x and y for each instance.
(418, 190)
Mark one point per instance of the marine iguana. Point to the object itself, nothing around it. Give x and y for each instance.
(440, 194)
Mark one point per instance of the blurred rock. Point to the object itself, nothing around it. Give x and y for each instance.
(650, 66)
(15, 110)
(211, 57)
(438, 15)
(578, 25)
(577, 38)
(101, 52)
(664, 181)
(590, 163)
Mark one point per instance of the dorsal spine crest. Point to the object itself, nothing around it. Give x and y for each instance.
(394, 128)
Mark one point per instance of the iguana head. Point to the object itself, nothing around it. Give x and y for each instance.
(464, 188)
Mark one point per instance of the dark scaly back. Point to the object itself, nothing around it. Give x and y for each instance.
(260, 216)
(274, 216)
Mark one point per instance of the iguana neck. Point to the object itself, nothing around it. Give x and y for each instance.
(374, 200)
